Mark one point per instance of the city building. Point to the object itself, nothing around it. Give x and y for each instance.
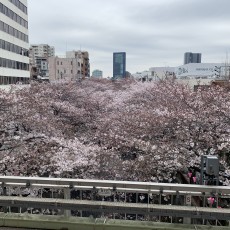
(97, 73)
(83, 56)
(192, 58)
(74, 66)
(14, 42)
(155, 74)
(119, 65)
(40, 50)
(158, 73)
(200, 73)
(142, 76)
(42, 66)
(39, 54)
(192, 74)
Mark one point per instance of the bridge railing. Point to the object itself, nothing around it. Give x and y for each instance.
(128, 200)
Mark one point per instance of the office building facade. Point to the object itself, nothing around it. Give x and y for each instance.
(192, 58)
(119, 65)
(14, 42)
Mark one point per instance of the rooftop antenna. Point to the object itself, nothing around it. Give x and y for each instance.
(226, 66)
(227, 56)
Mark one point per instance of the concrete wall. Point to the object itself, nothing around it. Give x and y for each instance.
(73, 223)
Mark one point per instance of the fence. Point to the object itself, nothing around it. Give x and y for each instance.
(126, 200)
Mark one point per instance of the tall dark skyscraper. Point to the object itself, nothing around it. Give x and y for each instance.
(192, 58)
(119, 65)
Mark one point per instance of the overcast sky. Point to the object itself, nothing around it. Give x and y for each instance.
(151, 32)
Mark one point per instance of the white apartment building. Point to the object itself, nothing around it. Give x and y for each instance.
(39, 55)
(14, 42)
(40, 51)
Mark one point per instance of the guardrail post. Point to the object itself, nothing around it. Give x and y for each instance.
(125, 202)
(136, 202)
(4, 193)
(67, 213)
(160, 196)
(188, 202)
(204, 204)
(80, 199)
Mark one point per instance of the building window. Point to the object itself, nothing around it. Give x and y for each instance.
(20, 6)
(9, 13)
(7, 63)
(5, 80)
(13, 32)
(13, 48)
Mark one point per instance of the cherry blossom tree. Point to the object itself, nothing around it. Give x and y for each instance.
(165, 127)
(122, 130)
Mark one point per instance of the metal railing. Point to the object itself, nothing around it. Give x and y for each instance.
(173, 203)
(110, 184)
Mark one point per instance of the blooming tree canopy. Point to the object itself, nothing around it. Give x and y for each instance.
(123, 130)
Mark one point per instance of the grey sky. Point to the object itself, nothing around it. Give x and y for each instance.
(151, 32)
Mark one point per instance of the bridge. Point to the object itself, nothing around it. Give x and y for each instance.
(60, 203)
